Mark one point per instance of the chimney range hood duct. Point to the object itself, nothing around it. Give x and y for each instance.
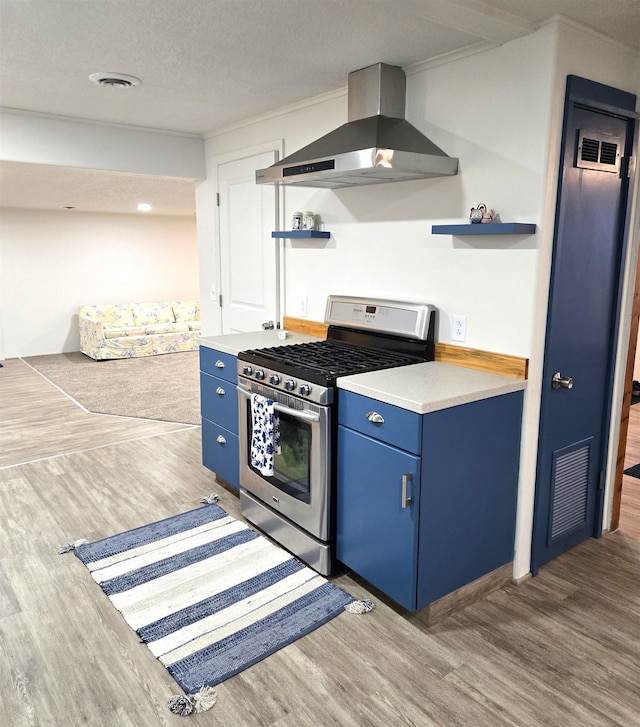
(376, 145)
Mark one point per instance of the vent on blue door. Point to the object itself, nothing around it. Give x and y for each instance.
(570, 485)
(598, 151)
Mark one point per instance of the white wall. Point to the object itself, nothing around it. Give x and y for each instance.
(381, 241)
(55, 261)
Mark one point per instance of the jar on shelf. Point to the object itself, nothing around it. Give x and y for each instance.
(296, 221)
(309, 221)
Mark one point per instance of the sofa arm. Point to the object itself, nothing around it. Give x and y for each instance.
(91, 334)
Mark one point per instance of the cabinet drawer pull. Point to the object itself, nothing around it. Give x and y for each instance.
(219, 364)
(406, 501)
(220, 439)
(375, 418)
(220, 391)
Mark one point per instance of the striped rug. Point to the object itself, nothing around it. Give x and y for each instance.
(208, 595)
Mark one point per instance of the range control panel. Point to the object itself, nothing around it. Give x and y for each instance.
(385, 316)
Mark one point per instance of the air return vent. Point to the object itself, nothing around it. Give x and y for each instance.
(598, 151)
(570, 488)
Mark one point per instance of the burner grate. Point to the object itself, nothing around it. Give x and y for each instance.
(331, 359)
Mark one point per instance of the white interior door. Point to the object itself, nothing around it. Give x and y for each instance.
(249, 256)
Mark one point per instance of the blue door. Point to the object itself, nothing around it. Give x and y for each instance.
(582, 319)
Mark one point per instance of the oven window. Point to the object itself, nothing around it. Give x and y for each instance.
(292, 466)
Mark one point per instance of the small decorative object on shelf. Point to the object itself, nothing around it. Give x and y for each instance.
(481, 214)
(304, 225)
(309, 221)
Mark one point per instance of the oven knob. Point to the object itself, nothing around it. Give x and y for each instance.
(274, 379)
(247, 370)
(305, 389)
(259, 374)
(289, 384)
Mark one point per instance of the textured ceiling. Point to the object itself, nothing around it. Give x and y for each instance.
(208, 64)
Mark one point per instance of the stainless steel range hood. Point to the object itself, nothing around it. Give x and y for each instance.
(376, 145)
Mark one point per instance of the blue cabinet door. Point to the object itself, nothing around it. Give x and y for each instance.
(376, 536)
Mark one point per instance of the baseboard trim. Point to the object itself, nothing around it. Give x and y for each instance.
(466, 595)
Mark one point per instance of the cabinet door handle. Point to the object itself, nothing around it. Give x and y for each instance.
(220, 439)
(220, 391)
(375, 418)
(406, 501)
(219, 364)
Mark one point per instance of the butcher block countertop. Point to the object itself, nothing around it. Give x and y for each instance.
(427, 387)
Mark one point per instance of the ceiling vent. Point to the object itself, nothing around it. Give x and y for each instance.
(114, 80)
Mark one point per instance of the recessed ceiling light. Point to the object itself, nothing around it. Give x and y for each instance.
(114, 80)
(144, 207)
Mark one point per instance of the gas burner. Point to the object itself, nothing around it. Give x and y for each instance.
(322, 362)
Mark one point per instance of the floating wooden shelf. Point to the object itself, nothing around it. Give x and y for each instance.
(293, 234)
(493, 228)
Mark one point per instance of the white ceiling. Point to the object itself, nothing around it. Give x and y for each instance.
(208, 64)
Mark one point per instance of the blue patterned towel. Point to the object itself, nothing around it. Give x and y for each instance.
(265, 437)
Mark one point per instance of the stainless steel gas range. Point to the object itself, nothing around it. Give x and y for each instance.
(288, 415)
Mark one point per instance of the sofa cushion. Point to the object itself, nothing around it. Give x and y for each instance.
(118, 331)
(152, 328)
(186, 310)
(114, 314)
(194, 325)
(150, 313)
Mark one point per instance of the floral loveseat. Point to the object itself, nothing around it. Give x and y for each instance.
(128, 330)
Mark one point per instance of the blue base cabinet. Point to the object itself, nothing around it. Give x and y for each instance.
(219, 407)
(426, 503)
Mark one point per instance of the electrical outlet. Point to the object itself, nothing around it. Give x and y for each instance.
(458, 327)
(302, 306)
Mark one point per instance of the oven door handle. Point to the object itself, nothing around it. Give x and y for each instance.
(307, 416)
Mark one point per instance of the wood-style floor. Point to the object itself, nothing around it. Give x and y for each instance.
(561, 649)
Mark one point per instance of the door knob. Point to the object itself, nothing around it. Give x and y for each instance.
(559, 381)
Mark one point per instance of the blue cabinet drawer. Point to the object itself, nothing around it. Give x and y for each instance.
(219, 364)
(220, 452)
(219, 401)
(384, 422)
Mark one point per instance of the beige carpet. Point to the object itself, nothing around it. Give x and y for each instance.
(165, 387)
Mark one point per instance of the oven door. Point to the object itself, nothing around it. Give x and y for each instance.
(298, 489)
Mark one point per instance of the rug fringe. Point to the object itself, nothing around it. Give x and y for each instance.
(186, 704)
(72, 545)
(210, 499)
(363, 606)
